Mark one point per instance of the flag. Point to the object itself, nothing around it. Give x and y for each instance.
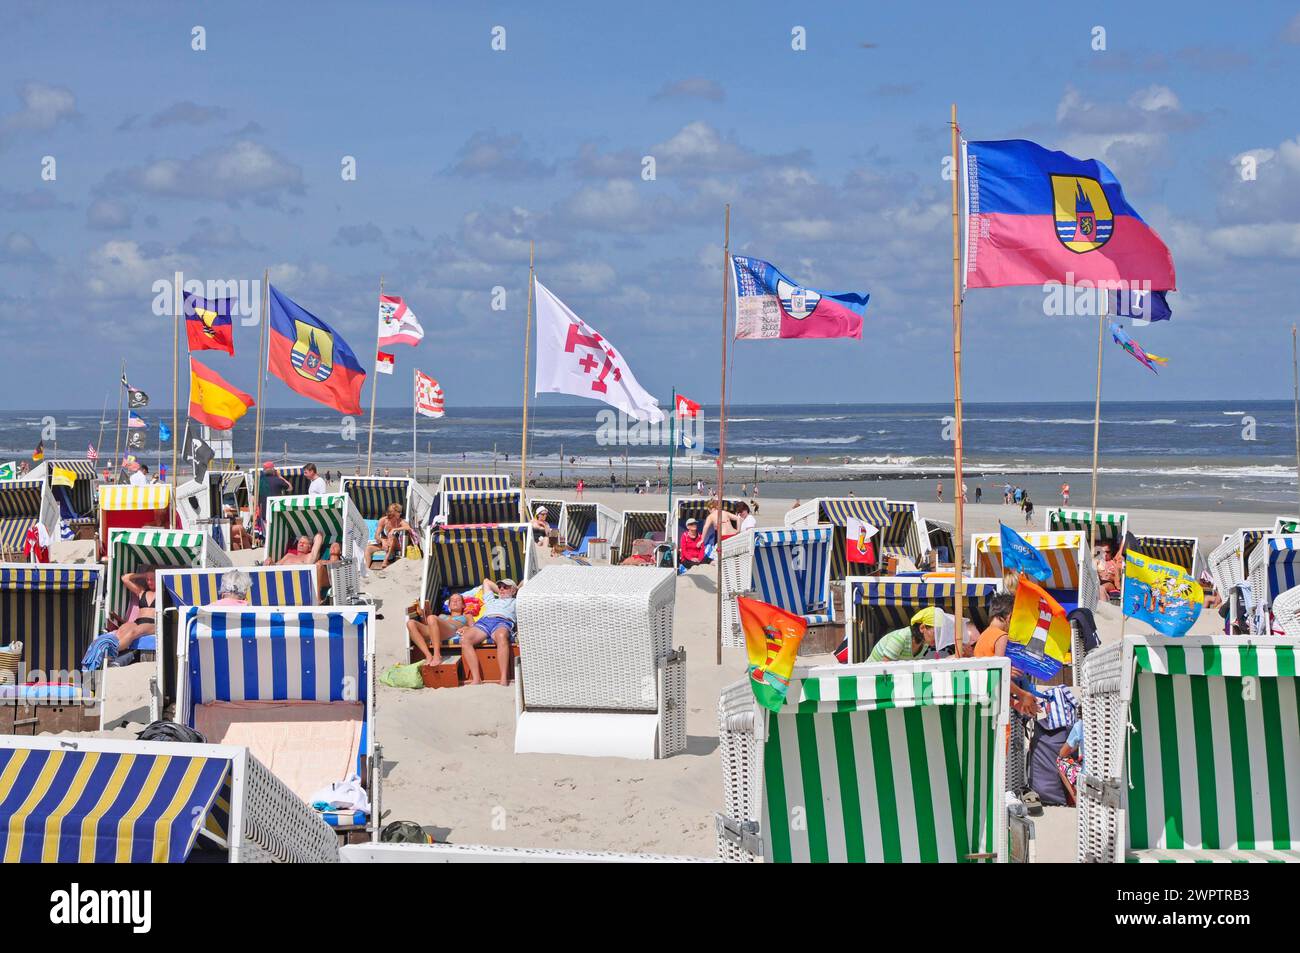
(1142, 307)
(162, 473)
(207, 323)
(91, 453)
(1038, 636)
(9, 471)
(572, 358)
(63, 477)
(164, 432)
(311, 358)
(1019, 555)
(383, 362)
(428, 396)
(198, 453)
(687, 407)
(39, 453)
(135, 397)
(213, 401)
(1164, 596)
(135, 440)
(858, 547)
(134, 420)
(1035, 216)
(397, 323)
(1127, 343)
(772, 638)
(769, 305)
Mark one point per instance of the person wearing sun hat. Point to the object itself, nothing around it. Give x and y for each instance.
(907, 643)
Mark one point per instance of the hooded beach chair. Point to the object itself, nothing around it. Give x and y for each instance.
(1073, 582)
(371, 496)
(1111, 524)
(178, 589)
(649, 525)
(459, 558)
(1184, 551)
(122, 506)
(330, 514)
(1229, 565)
(553, 510)
(582, 522)
(1274, 568)
(134, 550)
(201, 504)
(472, 507)
(75, 503)
(897, 762)
(52, 610)
(876, 605)
(942, 538)
(696, 507)
(598, 673)
(787, 568)
(295, 686)
(466, 483)
(904, 534)
(835, 512)
(102, 800)
(23, 504)
(1191, 750)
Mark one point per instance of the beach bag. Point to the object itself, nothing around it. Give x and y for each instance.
(403, 676)
(171, 731)
(413, 552)
(404, 832)
(1044, 776)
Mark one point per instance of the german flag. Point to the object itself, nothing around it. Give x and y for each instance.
(214, 401)
(39, 453)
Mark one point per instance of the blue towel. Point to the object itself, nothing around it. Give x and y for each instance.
(101, 652)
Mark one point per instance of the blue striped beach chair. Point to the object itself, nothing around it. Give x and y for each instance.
(107, 800)
(901, 529)
(582, 522)
(474, 507)
(1274, 568)
(1183, 551)
(371, 496)
(1191, 751)
(133, 550)
(76, 503)
(788, 568)
(900, 762)
(553, 510)
(458, 558)
(1073, 582)
(268, 674)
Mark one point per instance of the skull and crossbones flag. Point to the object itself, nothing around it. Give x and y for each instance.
(197, 451)
(573, 358)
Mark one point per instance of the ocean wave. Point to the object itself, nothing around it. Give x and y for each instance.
(814, 420)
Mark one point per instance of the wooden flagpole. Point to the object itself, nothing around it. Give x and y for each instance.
(374, 386)
(263, 359)
(99, 441)
(1096, 423)
(415, 425)
(176, 393)
(117, 437)
(1295, 376)
(722, 414)
(528, 332)
(958, 502)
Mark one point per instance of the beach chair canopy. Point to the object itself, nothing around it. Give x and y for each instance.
(941, 536)
(76, 502)
(72, 805)
(133, 550)
(1212, 743)
(289, 517)
(132, 507)
(51, 610)
(1111, 524)
(887, 763)
(473, 482)
(1182, 551)
(299, 482)
(878, 605)
(482, 506)
(1228, 560)
(586, 521)
(20, 510)
(1274, 567)
(897, 522)
(457, 558)
(1073, 582)
(641, 524)
(372, 496)
(553, 510)
(901, 535)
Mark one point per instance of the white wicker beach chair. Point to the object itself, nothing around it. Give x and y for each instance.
(184, 793)
(897, 762)
(1274, 568)
(1191, 751)
(1286, 612)
(788, 568)
(598, 674)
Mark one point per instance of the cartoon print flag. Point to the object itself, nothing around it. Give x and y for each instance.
(1038, 636)
(769, 305)
(1161, 594)
(772, 638)
(1127, 343)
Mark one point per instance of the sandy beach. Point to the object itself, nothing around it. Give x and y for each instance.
(448, 753)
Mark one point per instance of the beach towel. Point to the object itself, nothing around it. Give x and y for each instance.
(1058, 709)
(103, 651)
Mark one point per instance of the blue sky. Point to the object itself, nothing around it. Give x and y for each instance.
(225, 162)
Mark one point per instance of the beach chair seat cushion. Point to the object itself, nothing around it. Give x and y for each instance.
(345, 818)
(1203, 856)
(29, 693)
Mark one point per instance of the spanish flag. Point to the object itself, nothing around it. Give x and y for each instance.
(772, 638)
(214, 401)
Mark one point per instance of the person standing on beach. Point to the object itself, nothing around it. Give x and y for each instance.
(1028, 506)
(1065, 493)
(979, 492)
(581, 486)
(938, 489)
(316, 486)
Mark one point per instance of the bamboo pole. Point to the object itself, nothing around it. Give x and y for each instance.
(374, 386)
(117, 437)
(528, 331)
(1295, 376)
(672, 446)
(1096, 431)
(262, 356)
(722, 414)
(957, 500)
(177, 296)
(99, 441)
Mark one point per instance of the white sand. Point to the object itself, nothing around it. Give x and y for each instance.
(448, 753)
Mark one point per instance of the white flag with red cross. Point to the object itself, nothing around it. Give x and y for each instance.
(573, 358)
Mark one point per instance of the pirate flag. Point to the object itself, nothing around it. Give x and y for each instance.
(199, 453)
(135, 440)
(137, 398)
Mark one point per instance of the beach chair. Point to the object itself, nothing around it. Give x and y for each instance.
(900, 762)
(1286, 525)
(942, 539)
(1191, 751)
(644, 525)
(482, 854)
(295, 686)
(371, 496)
(466, 483)
(100, 800)
(788, 568)
(122, 506)
(582, 522)
(1184, 551)
(1073, 582)
(599, 675)
(1111, 524)
(876, 605)
(900, 527)
(330, 514)
(23, 504)
(904, 535)
(1274, 568)
(472, 507)
(178, 589)
(201, 504)
(52, 609)
(76, 503)
(133, 550)
(696, 507)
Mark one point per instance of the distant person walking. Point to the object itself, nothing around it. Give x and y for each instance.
(1065, 493)
(938, 490)
(581, 486)
(979, 492)
(1028, 506)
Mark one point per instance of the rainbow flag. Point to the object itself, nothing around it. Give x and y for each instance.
(772, 638)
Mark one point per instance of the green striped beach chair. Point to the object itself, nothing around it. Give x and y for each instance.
(899, 762)
(1111, 524)
(1191, 751)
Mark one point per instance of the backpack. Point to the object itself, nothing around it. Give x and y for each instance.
(171, 731)
(404, 832)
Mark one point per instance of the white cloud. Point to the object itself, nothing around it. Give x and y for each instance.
(122, 269)
(108, 215)
(43, 107)
(229, 173)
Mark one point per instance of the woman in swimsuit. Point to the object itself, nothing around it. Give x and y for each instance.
(141, 586)
(428, 636)
(386, 530)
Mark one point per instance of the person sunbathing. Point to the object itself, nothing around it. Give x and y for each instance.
(323, 569)
(306, 551)
(690, 549)
(141, 587)
(541, 528)
(386, 535)
(428, 636)
(497, 623)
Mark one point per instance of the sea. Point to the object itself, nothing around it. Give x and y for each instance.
(1177, 455)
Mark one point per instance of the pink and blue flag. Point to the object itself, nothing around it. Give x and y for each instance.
(1127, 343)
(1034, 216)
(769, 305)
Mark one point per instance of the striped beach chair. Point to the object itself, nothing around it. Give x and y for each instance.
(695, 507)
(371, 496)
(76, 503)
(1274, 568)
(583, 522)
(789, 568)
(331, 514)
(876, 605)
(640, 524)
(942, 536)
(904, 535)
(132, 507)
(283, 679)
(553, 510)
(469, 507)
(178, 589)
(1111, 524)
(1184, 551)
(132, 550)
(1073, 582)
(23, 504)
(107, 800)
(458, 558)
(901, 528)
(1191, 751)
(871, 763)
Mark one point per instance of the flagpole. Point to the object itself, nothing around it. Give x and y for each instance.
(374, 387)
(1295, 376)
(672, 450)
(957, 501)
(263, 333)
(722, 415)
(117, 438)
(1096, 424)
(99, 442)
(415, 426)
(528, 331)
(176, 373)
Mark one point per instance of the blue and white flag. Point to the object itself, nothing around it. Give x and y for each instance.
(164, 432)
(1142, 307)
(1018, 555)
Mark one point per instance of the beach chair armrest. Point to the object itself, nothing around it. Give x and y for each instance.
(743, 834)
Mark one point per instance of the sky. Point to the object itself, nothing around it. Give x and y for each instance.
(226, 162)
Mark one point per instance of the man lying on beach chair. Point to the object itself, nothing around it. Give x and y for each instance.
(305, 551)
(496, 623)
